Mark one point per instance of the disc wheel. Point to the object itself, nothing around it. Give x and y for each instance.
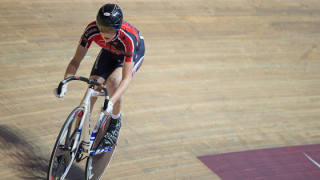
(97, 164)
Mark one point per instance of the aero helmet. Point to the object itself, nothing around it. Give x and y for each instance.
(110, 15)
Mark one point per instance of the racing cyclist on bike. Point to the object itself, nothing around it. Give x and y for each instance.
(121, 56)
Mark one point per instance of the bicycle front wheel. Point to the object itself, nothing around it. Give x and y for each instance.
(97, 164)
(64, 151)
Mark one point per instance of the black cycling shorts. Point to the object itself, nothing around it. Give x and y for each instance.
(107, 62)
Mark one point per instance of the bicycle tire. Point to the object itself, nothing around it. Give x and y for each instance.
(97, 164)
(62, 155)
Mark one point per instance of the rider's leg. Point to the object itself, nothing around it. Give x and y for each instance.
(113, 81)
(112, 84)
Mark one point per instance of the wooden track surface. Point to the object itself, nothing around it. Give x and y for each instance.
(219, 76)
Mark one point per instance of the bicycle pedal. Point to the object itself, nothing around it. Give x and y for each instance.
(79, 158)
(79, 155)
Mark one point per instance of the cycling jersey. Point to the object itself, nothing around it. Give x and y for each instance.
(125, 42)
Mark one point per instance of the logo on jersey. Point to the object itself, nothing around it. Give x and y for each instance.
(101, 42)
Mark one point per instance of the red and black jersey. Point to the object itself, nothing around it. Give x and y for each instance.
(125, 43)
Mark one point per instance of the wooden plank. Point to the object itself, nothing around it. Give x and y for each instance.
(219, 76)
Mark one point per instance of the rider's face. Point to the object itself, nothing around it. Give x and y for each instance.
(107, 33)
(108, 36)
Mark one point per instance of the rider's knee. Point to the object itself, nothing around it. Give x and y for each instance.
(113, 82)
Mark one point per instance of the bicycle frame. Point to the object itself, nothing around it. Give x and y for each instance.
(87, 138)
(84, 124)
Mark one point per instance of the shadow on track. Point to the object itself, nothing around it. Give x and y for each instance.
(27, 163)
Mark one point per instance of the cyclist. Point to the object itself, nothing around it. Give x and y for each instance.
(121, 56)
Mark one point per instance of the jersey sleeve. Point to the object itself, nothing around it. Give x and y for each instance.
(128, 56)
(129, 46)
(88, 34)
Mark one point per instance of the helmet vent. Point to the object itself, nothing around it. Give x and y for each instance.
(106, 14)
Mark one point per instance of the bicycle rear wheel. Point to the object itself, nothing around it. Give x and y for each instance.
(97, 164)
(63, 155)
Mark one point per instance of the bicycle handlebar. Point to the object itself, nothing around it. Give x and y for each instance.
(89, 81)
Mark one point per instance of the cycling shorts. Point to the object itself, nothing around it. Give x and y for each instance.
(107, 62)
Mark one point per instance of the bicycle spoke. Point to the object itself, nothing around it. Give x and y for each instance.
(66, 147)
(60, 167)
(68, 133)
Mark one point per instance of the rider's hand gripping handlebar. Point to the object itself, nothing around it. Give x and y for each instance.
(89, 81)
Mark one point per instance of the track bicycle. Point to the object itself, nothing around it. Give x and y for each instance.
(75, 142)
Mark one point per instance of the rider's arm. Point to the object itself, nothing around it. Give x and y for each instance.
(126, 78)
(76, 60)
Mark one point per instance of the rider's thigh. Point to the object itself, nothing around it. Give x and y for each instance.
(114, 80)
